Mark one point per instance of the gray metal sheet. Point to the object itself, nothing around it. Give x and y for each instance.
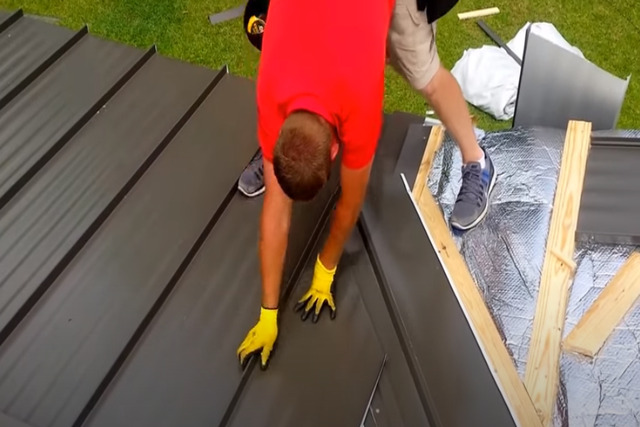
(45, 223)
(384, 410)
(617, 137)
(185, 364)
(557, 86)
(192, 350)
(26, 49)
(610, 201)
(9, 18)
(449, 367)
(38, 122)
(375, 394)
(394, 131)
(65, 351)
(369, 421)
(396, 401)
(7, 421)
(396, 398)
(322, 374)
(410, 155)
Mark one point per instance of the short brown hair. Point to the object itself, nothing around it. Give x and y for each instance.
(302, 155)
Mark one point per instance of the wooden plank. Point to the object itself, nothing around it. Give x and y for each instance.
(469, 296)
(607, 311)
(433, 145)
(542, 371)
(478, 13)
(477, 313)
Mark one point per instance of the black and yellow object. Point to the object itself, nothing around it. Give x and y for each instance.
(255, 25)
(255, 18)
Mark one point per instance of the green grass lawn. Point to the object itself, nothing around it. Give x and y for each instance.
(608, 33)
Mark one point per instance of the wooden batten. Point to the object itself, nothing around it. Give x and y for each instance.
(543, 364)
(617, 298)
(434, 142)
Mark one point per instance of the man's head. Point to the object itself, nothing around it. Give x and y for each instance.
(303, 154)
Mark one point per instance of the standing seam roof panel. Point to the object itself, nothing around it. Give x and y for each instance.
(33, 124)
(396, 400)
(9, 18)
(411, 154)
(397, 391)
(24, 48)
(185, 364)
(296, 389)
(7, 421)
(383, 409)
(48, 217)
(448, 362)
(610, 204)
(65, 349)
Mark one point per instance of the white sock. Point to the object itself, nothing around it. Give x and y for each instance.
(482, 162)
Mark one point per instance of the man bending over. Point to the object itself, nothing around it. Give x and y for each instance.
(320, 83)
(413, 53)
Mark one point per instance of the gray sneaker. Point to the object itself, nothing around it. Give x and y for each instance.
(251, 181)
(473, 199)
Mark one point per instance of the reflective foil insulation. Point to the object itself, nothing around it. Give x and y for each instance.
(505, 254)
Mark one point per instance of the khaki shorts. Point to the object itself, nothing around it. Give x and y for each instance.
(411, 47)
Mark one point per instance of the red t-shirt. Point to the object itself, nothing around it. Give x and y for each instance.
(327, 57)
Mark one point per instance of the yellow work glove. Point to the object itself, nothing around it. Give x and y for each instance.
(261, 337)
(318, 293)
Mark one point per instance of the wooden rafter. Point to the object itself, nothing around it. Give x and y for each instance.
(542, 371)
(433, 145)
(468, 294)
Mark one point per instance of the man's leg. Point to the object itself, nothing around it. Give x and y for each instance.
(413, 53)
(445, 97)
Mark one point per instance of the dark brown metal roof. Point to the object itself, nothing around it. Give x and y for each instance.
(610, 200)
(129, 271)
(26, 48)
(8, 18)
(446, 362)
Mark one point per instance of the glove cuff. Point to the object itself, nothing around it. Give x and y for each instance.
(268, 315)
(323, 269)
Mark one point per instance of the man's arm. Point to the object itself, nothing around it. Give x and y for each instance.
(274, 234)
(354, 187)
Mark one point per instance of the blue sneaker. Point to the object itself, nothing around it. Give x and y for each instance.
(251, 182)
(473, 199)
